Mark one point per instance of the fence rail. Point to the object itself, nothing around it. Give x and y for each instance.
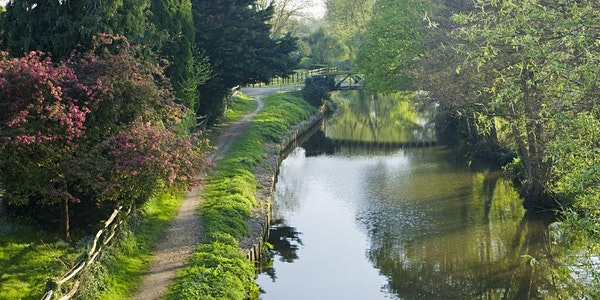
(101, 239)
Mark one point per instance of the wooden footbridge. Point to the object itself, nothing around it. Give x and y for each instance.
(344, 80)
(350, 81)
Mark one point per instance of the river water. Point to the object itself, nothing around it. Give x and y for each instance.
(365, 220)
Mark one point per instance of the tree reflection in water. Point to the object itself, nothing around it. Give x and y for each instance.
(430, 226)
(285, 242)
(483, 257)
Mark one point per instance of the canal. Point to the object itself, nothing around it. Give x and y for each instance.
(370, 207)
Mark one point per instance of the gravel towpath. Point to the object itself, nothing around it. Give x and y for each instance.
(183, 235)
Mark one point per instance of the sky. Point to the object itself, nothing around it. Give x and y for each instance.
(317, 10)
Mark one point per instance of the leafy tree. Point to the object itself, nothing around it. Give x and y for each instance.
(542, 56)
(327, 48)
(349, 20)
(58, 27)
(97, 129)
(391, 45)
(575, 163)
(42, 116)
(318, 88)
(457, 96)
(135, 141)
(236, 39)
(286, 15)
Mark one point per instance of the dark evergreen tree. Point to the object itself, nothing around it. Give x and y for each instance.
(57, 27)
(236, 38)
(188, 68)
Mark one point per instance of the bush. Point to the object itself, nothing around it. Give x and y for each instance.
(318, 88)
(98, 130)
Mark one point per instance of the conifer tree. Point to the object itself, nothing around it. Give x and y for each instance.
(235, 36)
(58, 27)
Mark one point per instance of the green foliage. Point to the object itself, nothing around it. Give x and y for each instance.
(326, 48)
(219, 270)
(188, 67)
(538, 65)
(236, 39)
(392, 44)
(287, 15)
(349, 19)
(576, 165)
(59, 27)
(318, 88)
(575, 161)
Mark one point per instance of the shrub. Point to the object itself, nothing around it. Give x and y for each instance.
(318, 88)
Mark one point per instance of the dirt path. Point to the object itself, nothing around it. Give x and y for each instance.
(183, 235)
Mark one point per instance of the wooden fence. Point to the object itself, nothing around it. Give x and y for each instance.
(102, 238)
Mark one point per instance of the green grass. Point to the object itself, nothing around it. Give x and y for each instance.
(123, 267)
(219, 269)
(28, 257)
(239, 106)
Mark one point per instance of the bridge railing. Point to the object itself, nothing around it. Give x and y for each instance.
(297, 78)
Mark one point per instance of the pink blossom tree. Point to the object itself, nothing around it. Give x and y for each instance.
(43, 108)
(101, 127)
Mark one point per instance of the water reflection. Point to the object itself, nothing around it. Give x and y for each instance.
(284, 243)
(386, 118)
(404, 223)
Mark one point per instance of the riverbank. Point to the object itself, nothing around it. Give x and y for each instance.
(235, 206)
(266, 176)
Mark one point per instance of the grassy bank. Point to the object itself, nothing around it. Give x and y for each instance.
(121, 270)
(219, 269)
(29, 255)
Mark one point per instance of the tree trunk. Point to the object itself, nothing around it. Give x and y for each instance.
(64, 220)
(532, 149)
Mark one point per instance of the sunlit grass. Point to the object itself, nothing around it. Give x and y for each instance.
(218, 269)
(130, 260)
(239, 106)
(28, 258)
